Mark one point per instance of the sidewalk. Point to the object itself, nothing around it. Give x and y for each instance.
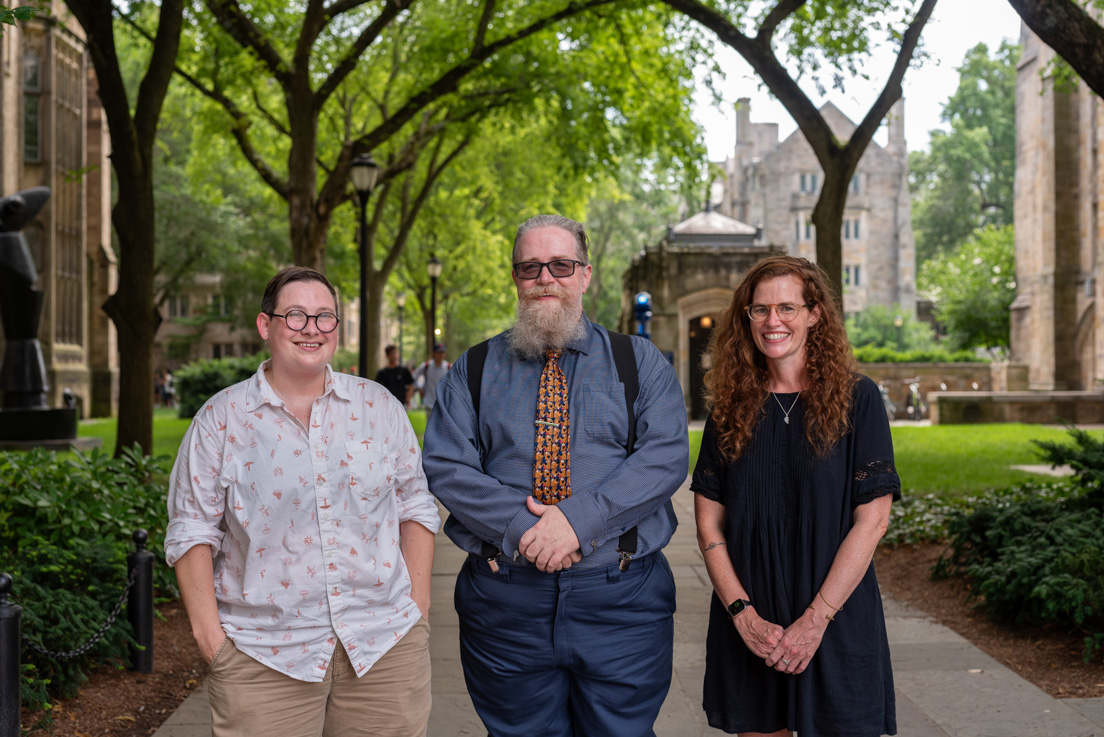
(946, 687)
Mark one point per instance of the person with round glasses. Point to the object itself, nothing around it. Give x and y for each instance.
(793, 488)
(302, 533)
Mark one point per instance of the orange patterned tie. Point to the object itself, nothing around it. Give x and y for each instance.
(552, 459)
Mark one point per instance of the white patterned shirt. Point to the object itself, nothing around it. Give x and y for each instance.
(303, 522)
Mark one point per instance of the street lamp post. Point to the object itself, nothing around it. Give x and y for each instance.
(400, 302)
(433, 268)
(364, 172)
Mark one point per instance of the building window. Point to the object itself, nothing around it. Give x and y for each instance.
(808, 183)
(855, 184)
(250, 349)
(855, 228)
(178, 306)
(808, 230)
(851, 276)
(32, 101)
(222, 350)
(846, 276)
(847, 229)
(797, 229)
(220, 305)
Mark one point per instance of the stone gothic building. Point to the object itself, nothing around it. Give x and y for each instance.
(1059, 222)
(53, 133)
(775, 185)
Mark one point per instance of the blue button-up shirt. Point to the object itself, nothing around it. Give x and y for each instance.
(481, 468)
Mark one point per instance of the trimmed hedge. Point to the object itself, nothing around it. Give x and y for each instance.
(873, 354)
(197, 382)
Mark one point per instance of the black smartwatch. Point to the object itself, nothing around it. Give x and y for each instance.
(737, 607)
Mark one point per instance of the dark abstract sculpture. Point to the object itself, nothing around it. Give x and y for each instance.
(24, 413)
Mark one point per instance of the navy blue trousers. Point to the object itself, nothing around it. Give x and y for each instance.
(569, 654)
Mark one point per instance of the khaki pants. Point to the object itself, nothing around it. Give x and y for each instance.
(392, 699)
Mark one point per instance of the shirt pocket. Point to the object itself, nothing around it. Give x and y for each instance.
(604, 416)
(370, 477)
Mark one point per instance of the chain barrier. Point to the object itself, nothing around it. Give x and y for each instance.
(96, 637)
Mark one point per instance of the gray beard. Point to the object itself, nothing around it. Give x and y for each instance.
(540, 328)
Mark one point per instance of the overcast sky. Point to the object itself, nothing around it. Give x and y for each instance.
(955, 27)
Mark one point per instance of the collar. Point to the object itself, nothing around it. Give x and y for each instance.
(260, 391)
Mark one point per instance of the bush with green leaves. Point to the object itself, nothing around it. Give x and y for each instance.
(199, 381)
(875, 354)
(67, 593)
(1040, 560)
(876, 326)
(66, 525)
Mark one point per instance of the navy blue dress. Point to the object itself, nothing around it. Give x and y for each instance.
(787, 512)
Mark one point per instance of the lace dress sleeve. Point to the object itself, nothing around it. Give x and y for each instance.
(875, 473)
(709, 473)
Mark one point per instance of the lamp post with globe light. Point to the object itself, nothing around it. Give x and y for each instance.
(433, 269)
(400, 302)
(364, 172)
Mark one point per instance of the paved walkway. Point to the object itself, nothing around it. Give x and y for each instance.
(946, 687)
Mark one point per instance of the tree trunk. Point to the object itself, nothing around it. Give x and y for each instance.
(371, 309)
(133, 132)
(828, 217)
(306, 224)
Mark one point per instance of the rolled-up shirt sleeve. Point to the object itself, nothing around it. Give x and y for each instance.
(412, 496)
(197, 496)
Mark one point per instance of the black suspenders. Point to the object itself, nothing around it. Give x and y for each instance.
(625, 361)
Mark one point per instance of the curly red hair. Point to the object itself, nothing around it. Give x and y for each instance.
(737, 385)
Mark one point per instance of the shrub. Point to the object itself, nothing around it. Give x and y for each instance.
(65, 530)
(1040, 560)
(197, 382)
(873, 354)
(67, 593)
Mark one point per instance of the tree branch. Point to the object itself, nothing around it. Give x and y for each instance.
(349, 62)
(481, 29)
(450, 80)
(778, 13)
(242, 29)
(1065, 27)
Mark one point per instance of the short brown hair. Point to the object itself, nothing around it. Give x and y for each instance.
(287, 276)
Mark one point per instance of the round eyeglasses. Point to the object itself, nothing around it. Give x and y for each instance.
(559, 268)
(326, 322)
(786, 311)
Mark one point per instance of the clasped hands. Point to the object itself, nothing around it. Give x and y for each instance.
(551, 544)
(786, 650)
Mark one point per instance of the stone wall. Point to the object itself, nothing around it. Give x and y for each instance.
(933, 378)
(1035, 407)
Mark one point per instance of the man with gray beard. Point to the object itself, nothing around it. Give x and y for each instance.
(566, 600)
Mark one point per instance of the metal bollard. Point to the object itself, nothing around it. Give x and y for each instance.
(140, 603)
(9, 661)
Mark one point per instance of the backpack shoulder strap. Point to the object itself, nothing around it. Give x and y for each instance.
(625, 360)
(477, 356)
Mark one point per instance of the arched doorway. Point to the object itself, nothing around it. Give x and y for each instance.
(700, 330)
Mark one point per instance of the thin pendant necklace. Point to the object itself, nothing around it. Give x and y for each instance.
(785, 412)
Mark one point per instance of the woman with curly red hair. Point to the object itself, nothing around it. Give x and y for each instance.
(793, 486)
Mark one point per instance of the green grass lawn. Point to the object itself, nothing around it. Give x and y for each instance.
(953, 460)
(949, 460)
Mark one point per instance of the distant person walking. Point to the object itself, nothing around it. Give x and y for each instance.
(395, 378)
(429, 374)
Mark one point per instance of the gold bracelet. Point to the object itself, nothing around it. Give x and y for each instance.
(829, 617)
(838, 609)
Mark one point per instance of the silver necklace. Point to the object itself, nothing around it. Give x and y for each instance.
(785, 412)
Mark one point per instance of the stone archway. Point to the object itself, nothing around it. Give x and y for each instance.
(694, 309)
